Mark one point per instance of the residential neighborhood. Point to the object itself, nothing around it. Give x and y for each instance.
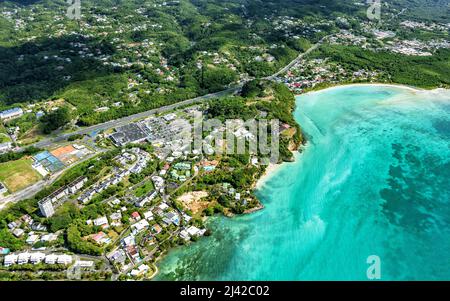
(140, 194)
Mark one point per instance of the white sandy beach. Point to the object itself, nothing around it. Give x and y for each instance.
(411, 88)
(272, 169)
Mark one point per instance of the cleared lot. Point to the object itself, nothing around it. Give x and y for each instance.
(17, 175)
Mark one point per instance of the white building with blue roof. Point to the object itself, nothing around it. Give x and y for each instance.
(11, 114)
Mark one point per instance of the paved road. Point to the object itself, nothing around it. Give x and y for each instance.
(126, 120)
(297, 59)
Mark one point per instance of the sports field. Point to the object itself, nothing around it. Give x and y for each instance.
(17, 175)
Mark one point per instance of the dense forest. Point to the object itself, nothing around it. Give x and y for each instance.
(426, 72)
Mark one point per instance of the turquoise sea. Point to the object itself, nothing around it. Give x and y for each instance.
(373, 180)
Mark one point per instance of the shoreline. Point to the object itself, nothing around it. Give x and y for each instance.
(270, 171)
(272, 168)
(400, 86)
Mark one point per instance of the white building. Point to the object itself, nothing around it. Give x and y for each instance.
(36, 258)
(46, 207)
(163, 206)
(64, 259)
(194, 231)
(49, 237)
(141, 203)
(40, 169)
(170, 117)
(84, 263)
(60, 193)
(129, 240)
(142, 269)
(10, 259)
(32, 238)
(148, 215)
(115, 216)
(141, 225)
(18, 232)
(4, 147)
(51, 259)
(11, 114)
(184, 235)
(186, 218)
(77, 184)
(158, 181)
(23, 258)
(101, 221)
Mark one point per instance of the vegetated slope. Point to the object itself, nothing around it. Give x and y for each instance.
(438, 10)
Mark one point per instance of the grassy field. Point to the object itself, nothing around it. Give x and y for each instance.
(17, 175)
(144, 189)
(3, 134)
(2, 129)
(4, 138)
